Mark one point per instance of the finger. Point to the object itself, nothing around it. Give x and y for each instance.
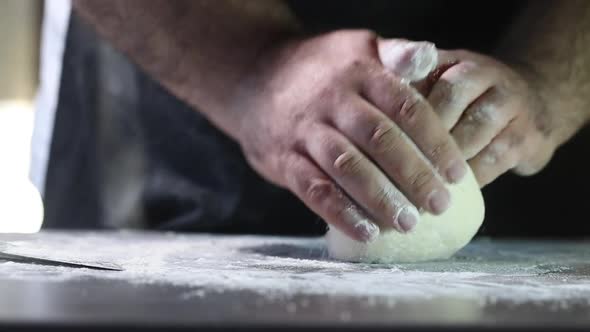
(498, 157)
(458, 87)
(324, 197)
(538, 150)
(408, 59)
(364, 183)
(536, 163)
(410, 111)
(446, 60)
(425, 85)
(383, 141)
(483, 120)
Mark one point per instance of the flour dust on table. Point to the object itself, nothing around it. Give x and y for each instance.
(274, 266)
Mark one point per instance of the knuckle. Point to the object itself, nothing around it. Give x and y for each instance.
(407, 110)
(384, 138)
(502, 165)
(382, 200)
(440, 151)
(318, 190)
(444, 93)
(384, 88)
(324, 145)
(515, 139)
(493, 108)
(452, 82)
(419, 180)
(482, 114)
(490, 157)
(505, 151)
(498, 153)
(348, 163)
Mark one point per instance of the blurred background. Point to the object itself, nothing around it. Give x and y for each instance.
(20, 22)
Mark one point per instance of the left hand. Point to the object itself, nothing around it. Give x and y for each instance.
(497, 119)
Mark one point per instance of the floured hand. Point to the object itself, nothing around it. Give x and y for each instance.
(497, 119)
(327, 118)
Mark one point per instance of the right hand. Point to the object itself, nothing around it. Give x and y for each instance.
(327, 119)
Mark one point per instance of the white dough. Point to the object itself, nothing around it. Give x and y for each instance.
(433, 237)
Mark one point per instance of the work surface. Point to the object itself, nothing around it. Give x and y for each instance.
(203, 281)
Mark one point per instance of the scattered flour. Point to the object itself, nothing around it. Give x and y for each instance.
(411, 61)
(485, 270)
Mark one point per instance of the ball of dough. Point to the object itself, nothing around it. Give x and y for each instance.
(433, 237)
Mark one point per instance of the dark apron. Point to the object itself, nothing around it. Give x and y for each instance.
(127, 154)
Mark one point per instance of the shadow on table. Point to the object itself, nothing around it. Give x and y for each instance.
(284, 250)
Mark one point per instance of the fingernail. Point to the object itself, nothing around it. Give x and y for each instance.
(367, 231)
(456, 172)
(438, 201)
(407, 219)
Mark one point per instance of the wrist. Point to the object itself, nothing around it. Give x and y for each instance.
(559, 114)
(226, 99)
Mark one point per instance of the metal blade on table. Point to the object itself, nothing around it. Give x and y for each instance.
(7, 254)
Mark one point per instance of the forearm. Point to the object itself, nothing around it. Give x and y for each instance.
(550, 40)
(198, 49)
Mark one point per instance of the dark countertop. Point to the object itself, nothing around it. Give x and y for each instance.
(200, 281)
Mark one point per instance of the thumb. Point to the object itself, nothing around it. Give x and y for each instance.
(408, 59)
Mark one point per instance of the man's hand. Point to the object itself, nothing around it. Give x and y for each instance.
(497, 119)
(322, 116)
(325, 118)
